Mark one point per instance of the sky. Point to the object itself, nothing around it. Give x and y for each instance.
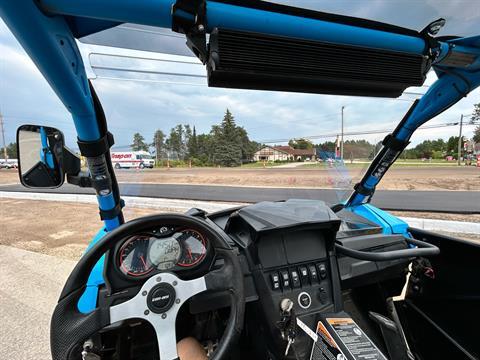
(145, 102)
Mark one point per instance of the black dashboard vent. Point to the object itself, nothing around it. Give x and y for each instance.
(248, 60)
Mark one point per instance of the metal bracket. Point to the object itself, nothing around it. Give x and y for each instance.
(189, 17)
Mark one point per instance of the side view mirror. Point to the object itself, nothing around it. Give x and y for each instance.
(43, 158)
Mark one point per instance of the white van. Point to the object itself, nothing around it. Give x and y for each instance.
(132, 159)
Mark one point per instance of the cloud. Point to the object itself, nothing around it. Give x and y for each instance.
(160, 103)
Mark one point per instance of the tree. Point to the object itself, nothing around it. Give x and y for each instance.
(476, 135)
(300, 144)
(174, 143)
(452, 145)
(159, 143)
(226, 137)
(139, 143)
(11, 151)
(205, 148)
(192, 144)
(476, 117)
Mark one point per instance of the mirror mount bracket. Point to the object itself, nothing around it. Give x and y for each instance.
(96, 148)
(81, 179)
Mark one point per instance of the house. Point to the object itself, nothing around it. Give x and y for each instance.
(283, 153)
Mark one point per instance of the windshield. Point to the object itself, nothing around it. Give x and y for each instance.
(144, 157)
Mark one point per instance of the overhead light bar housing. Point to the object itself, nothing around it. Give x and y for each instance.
(250, 60)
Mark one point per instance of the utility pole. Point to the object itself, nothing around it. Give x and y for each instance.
(156, 149)
(5, 155)
(341, 138)
(460, 141)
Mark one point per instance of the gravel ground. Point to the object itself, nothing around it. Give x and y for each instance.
(60, 229)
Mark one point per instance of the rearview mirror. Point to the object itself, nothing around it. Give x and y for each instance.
(40, 156)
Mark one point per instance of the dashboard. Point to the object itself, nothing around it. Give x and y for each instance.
(165, 248)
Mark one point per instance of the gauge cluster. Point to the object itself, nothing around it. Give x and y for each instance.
(164, 249)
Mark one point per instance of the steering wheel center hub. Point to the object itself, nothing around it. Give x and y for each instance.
(161, 298)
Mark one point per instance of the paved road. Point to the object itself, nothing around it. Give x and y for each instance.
(462, 202)
(31, 284)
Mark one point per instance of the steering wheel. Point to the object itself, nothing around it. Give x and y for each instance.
(157, 302)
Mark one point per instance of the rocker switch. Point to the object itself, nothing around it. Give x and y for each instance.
(275, 279)
(322, 271)
(285, 279)
(303, 275)
(295, 279)
(313, 273)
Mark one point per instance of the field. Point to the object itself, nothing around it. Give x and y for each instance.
(412, 177)
(398, 178)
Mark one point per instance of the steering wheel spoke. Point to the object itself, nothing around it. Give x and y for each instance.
(158, 303)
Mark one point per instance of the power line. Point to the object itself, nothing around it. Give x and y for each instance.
(354, 133)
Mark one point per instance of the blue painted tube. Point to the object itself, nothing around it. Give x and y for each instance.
(158, 13)
(241, 18)
(445, 92)
(49, 43)
(51, 46)
(439, 97)
(146, 12)
(107, 202)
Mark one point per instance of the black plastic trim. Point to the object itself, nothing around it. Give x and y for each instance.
(423, 249)
(112, 213)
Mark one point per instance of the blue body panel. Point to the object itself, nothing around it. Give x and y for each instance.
(390, 224)
(88, 300)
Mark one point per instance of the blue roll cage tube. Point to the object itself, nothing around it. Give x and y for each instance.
(44, 29)
(46, 155)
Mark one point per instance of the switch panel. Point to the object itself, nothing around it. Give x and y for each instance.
(296, 277)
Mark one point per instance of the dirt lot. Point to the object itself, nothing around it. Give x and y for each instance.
(8, 176)
(398, 178)
(54, 228)
(64, 229)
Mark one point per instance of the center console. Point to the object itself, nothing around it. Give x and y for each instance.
(290, 250)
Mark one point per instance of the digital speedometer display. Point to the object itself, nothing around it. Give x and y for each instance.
(164, 252)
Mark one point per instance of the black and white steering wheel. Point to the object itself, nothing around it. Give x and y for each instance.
(159, 299)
